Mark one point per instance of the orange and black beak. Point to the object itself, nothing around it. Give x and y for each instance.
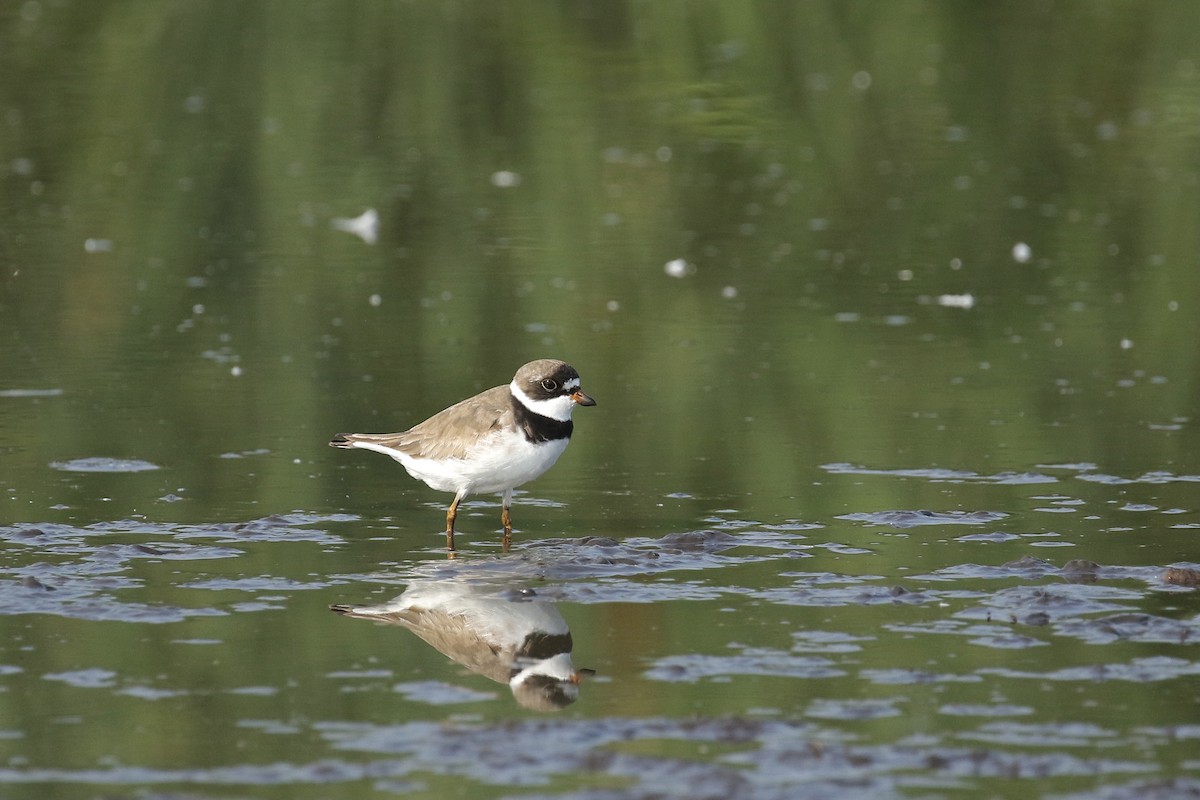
(577, 677)
(579, 397)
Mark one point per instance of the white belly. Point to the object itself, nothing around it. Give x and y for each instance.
(496, 465)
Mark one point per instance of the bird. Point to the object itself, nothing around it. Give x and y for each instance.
(493, 442)
(511, 637)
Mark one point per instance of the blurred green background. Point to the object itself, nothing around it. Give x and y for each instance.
(827, 171)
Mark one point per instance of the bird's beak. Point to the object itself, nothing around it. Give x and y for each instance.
(579, 397)
(577, 677)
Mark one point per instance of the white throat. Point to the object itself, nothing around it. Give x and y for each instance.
(558, 408)
(560, 667)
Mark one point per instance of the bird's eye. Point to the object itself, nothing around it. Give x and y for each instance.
(549, 385)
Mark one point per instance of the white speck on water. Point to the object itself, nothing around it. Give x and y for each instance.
(31, 392)
(97, 245)
(729, 292)
(663, 154)
(375, 300)
(1173, 305)
(905, 275)
(1021, 253)
(100, 464)
(612, 305)
(678, 268)
(818, 224)
(956, 263)
(365, 226)
(817, 82)
(861, 80)
(93, 678)
(963, 301)
(235, 371)
(504, 179)
(1126, 344)
(198, 309)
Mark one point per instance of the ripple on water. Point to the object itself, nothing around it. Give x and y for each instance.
(85, 678)
(854, 709)
(437, 693)
(691, 668)
(31, 392)
(1139, 670)
(84, 572)
(766, 757)
(938, 475)
(984, 710)
(101, 464)
(912, 519)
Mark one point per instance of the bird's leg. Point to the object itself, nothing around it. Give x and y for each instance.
(451, 515)
(506, 519)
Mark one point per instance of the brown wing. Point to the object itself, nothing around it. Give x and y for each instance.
(449, 433)
(452, 635)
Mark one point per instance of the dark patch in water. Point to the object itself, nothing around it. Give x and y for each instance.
(699, 541)
(1182, 576)
(1080, 570)
(30, 582)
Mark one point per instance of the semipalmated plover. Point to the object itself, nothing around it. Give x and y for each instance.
(492, 442)
(519, 640)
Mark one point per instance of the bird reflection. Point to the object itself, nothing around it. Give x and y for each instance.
(509, 636)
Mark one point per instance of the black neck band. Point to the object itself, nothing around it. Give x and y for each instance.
(538, 428)
(541, 646)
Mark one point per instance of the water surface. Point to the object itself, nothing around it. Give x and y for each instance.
(889, 312)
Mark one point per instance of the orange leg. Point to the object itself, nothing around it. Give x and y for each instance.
(506, 519)
(451, 515)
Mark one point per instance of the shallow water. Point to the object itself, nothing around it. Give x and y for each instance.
(890, 317)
